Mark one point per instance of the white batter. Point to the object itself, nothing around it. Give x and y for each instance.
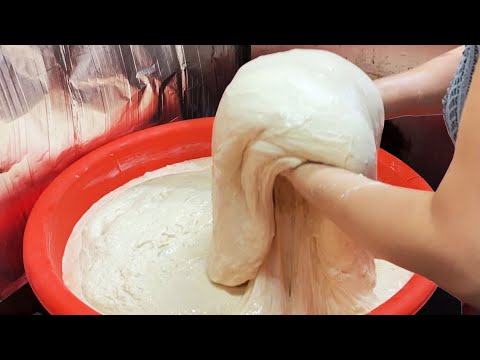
(142, 249)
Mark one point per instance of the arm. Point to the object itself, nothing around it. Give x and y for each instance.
(416, 91)
(436, 234)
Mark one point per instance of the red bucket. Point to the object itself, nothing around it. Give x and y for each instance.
(76, 189)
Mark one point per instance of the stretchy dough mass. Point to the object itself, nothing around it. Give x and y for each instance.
(281, 111)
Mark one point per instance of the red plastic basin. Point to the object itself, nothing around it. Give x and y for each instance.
(72, 193)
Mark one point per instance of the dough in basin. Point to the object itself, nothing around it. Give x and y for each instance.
(145, 248)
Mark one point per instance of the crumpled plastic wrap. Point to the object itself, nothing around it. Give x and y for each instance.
(58, 102)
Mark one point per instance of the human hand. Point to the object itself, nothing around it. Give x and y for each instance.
(325, 185)
(420, 90)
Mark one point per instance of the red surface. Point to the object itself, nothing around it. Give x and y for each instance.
(72, 193)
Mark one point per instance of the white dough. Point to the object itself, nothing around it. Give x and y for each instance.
(280, 111)
(132, 265)
(142, 249)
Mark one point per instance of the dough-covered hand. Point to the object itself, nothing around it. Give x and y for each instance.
(325, 186)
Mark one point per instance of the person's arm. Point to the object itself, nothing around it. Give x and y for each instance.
(419, 91)
(436, 234)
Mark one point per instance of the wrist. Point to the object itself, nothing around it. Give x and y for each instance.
(325, 185)
(391, 97)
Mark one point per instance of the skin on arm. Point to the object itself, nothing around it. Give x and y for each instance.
(436, 235)
(416, 91)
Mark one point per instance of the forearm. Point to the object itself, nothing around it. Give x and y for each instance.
(389, 221)
(419, 91)
(396, 224)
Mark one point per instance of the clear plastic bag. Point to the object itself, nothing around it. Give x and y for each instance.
(58, 102)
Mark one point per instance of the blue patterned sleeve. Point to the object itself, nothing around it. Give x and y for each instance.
(457, 92)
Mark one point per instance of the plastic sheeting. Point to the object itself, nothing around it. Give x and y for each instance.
(58, 102)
